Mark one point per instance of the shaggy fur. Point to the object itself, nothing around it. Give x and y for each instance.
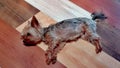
(57, 35)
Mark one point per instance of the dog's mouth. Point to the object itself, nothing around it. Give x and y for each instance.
(29, 43)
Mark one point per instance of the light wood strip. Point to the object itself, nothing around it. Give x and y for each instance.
(59, 9)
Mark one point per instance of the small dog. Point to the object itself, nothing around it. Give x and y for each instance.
(57, 35)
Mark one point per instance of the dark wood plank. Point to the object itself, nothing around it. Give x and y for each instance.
(13, 54)
(110, 33)
(15, 12)
(109, 7)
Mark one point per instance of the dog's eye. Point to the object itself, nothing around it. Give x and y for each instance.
(28, 34)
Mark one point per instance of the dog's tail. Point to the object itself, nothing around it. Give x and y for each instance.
(98, 15)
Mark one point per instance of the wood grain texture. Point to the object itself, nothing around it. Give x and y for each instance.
(15, 12)
(109, 7)
(13, 54)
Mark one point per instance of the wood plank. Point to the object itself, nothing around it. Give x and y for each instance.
(15, 12)
(78, 54)
(13, 54)
(59, 9)
(110, 7)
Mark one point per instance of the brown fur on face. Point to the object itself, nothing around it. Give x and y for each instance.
(57, 35)
(31, 34)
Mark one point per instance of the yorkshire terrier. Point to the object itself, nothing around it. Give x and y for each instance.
(57, 35)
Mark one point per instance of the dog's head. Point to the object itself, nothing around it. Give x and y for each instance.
(98, 16)
(31, 34)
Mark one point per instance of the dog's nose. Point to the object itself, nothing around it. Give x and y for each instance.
(24, 41)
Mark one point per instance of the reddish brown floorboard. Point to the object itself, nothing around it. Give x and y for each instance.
(13, 54)
(15, 12)
(110, 7)
(110, 33)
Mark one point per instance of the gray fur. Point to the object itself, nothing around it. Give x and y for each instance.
(57, 35)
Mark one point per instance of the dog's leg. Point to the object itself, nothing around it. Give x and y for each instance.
(57, 49)
(50, 56)
(86, 34)
(95, 40)
(97, 44)
(92, 38)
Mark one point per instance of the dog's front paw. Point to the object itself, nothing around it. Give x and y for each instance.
(48, 61)
(48, 58)
(54, 60)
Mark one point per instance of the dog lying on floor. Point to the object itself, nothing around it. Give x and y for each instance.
(57, 35)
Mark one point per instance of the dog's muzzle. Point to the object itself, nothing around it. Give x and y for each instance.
(29, 43)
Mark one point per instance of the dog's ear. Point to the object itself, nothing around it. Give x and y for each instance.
(29, 23)
(35, 23)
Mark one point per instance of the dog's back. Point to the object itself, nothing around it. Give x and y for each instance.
(70, 29)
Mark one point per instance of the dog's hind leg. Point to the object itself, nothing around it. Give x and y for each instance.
(96, 42)
(92, 38)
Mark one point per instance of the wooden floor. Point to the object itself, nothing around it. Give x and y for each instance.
(14, 55)
(15, 12)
